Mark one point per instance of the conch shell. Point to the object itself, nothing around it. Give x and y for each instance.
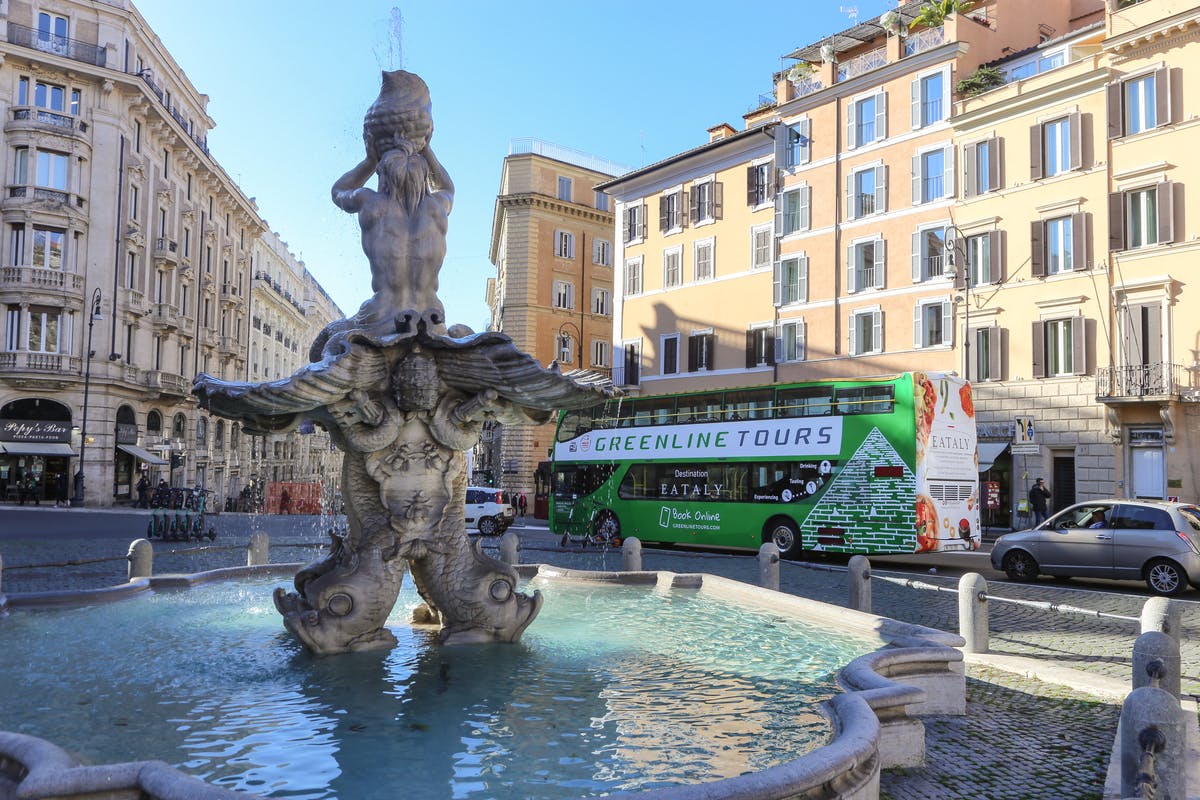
(401, 113)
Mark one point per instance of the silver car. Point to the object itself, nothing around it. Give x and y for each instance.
(1147, 540)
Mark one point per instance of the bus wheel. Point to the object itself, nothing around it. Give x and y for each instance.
(784, 534)
(608, 527)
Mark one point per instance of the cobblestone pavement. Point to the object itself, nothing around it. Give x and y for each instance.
(1022, 738)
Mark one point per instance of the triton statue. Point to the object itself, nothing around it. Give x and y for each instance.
(403, 396)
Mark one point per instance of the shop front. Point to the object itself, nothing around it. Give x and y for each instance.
(130, 462)
(35, 460)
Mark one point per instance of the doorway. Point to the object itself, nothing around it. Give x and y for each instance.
(1063, 486)
(1147, 463)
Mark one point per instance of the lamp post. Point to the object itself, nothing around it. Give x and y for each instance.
(94, 315)
(955, 237)
(578, 338)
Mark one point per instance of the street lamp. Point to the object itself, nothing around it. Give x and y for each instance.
(954, 238)
(87, 385)
(562, 332)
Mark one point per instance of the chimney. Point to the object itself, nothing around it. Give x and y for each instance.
(722, 131)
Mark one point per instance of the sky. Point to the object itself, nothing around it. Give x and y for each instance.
(628, 81)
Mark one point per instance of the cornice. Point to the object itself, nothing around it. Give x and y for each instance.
(1172, 26)
(1071, 87)
(555, 206)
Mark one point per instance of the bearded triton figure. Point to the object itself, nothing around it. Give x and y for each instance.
(403, 396)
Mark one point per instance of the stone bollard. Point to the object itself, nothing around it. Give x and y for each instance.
(768, 566)
(510, 548)
(973, 612)
(1154, 646)
(1152, 745)
(141, 559)
(1162, 614)
(258, 552)
(631, 554)
(859, 572)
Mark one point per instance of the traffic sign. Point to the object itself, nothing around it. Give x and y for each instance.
(1024, 432)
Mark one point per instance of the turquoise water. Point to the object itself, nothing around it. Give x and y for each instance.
(611, 688)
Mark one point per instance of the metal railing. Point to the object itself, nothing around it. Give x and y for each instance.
(566, 155)
(863, 63)
(35, 114)
(1139, 380)
(57, 45)
(923, 40)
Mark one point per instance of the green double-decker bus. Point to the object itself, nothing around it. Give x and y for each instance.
(885, 465)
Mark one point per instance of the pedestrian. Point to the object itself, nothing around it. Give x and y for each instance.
(143, 491)
(1039, 497)
(33, 490)
(60, 491)
(522, 504)
(285, 502)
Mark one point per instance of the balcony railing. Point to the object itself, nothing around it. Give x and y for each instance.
(168, 382)
(64, 121)
(1138, 381)
(57, 45)
(860, 64)
(164, 98)
(923, 40)
(21, 361)
(40, 278)
(807, 86)
(166, 315)
(56, 196)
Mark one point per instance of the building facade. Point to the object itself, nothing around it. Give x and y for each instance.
(126, 261)
(552, 246)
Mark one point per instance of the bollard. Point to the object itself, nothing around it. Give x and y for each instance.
(973, 612)
(1152, 745)
(258, 551)
(631, 554)
(1154, 646)
(141, 559)
(768, 566)
(1162, 614)
(860, 583)
(510, 548)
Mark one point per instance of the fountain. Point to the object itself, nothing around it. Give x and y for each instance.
(403, 396)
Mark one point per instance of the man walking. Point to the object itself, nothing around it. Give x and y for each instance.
(1039, 498)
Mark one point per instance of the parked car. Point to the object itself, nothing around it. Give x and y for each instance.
(1149, 540)
(487, 512)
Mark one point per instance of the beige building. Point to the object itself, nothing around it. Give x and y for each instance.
(125, 266)
(552, 246)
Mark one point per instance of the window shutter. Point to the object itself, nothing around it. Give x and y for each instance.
(752, 186)
(917, 338)
(802, 281)
(1079, 244)
(641, 221)
(916, 180)
(880, 278)
(693, 196)
(1164, 206)
(779, 353)
(751, 354)
(625, 219)
(1116, 109)
(916, 257)
(1079, 345)
(1035, 152)
(851, 129)
(801, 340)
(852, 329)
(1116, 221)
(1162, 97)
(1037, 250)
(994, 156)
(805, 207)
(850, 287)
(881, 116)
(877, 331)
(996, 256)
(693, 354)
(772, 352)
(1075, 128)
(880, 189)
(915, 92)
(782, 133)
(947, 323)
(777, 284)
(718, 199)
(805, 129)
(779, 214)
(709, 355)
(995, 341)
(948, 171)
(662, 213)
(851, 206)
(970, 165)
(1038, 340)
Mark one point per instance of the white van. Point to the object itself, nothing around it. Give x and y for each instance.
(487, 512)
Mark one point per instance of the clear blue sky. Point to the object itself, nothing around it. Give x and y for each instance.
(629, 81)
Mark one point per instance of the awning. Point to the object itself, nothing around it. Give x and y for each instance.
(989, 452)
(143, 455)
(37, 449)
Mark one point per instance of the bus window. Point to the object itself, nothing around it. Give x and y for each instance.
(866, 399)
(577, 481)
(699, 408)
(753, 404)
(805, 401)
(654, 411)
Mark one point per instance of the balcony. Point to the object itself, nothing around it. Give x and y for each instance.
(864, 63)
(52, 363)
(134, 302)
(57, 45)
(55, 198)
(923, 40)
(166, 253)
(230, 344)
(165, 316)
(1139, 383)
(230, 293)
(40, 279)
(168, 383)
(208, 337)
(42, 119)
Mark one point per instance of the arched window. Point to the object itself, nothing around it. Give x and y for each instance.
(219, 435)
(235, 436)
(178, 426)
(154, 423)
(201, 432)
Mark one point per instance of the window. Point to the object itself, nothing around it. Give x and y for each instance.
(1141, 217)
(933, 324)
(48, 246)
(21, 165)
(928, 254)
(672, 267)
(790, 342)
(1139, 104)
(44, 326)
(760, 347)
(201, 432)
(865, 265)
(986, 355)
(760, 188)
(564, 244)
(564, 188)
(701, 345)
(52, 170)
(866, 192)
(633, 276)
(601, 302)
(601, 201)
(930, 99)
(633, 223)
(602, 252)
(1058, 347)
(792, 213)
(670, 354)
(981, 167)
(566, 348)
(793, 144)
(670, 211)
(16, 244)
(133, 202)
(791, 281)
(1033, 65)
(705, 201)
(130, 270)
(702, 261)
(867, 120)
(52, 33)
(1055, 147)
(1058, 245)
(601, 352)
(866, 332)
(564, 294)
(982, 254)
(933, 175)
(761, 247)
